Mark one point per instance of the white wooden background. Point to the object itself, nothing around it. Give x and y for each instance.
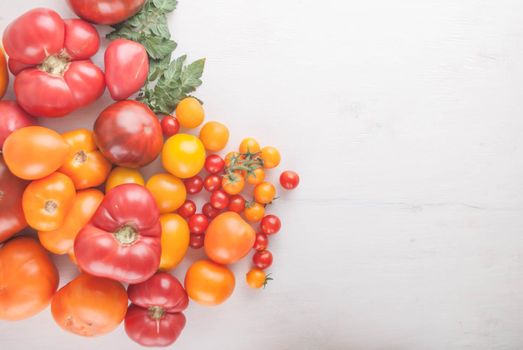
(405, 120)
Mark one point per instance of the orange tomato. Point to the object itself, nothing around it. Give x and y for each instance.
(61, 240)
(175, 240)
(254, 212)
(270, 156)
(121, 175)
(168, 191)
(264, 193)
(214, 136)
(85, 165)
(47, 201)
(256, 278)
(28, 279)
(228, 238)
(228, 157)
(4, 74)
(89, 305)
(208, 283)
(189, 113)
(256, 177)
(249, 145)
(34, 152)
(233, 183)
(183, 155)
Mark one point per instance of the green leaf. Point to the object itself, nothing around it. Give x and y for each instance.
(165, 5)
(157, 47)
(157, 67)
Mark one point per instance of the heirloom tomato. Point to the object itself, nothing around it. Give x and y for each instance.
(120, 176)
(183, 155)
(175, 240)
(4, 74)
(106, 11)
(89, 306)
(168, 191)
(122, 240)
(12, 118)
(189, 113)
(208, 283)
(12, 219)
(28, 279)
(214, 136)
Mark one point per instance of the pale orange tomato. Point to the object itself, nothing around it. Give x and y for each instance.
(264, 192)
(183, 155)
(270, 156)
(256, 278)
(214, 136)
(168, 191)
(249, 145)
(254, 212)
(233, 183)
(175, 240)
(208, 283)
(256, 176)
(189, 113)
(121, 175)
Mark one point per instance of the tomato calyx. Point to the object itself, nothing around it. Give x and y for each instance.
(267, 279)
(156, 312)
(80, 157)
(55, 64)
(126, 235)
(50, 206)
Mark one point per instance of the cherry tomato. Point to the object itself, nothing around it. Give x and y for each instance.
(183, 155)
(289, 179)
(196, 241)
(270, 156)
(4, 75)
(175, 240)
(168, 191)
(254, 211)
(264, 193)
(233, 183)
(219, 199)
(249, 145)
(198, 224)
(256, 176)
(106, 11)
(120, 176)
(190, 113)
(13, 117)
(229, 156)
(214, 136)
(261, 242)
(236, 203)
(212, 182)
(262, 259)
(208, 283)
(257, 278)
(187, 209)
(210, 211)
(214, 164)
(270, 224)
(170, 125)
(193, 184)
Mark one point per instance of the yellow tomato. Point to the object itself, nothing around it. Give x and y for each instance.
(229, 156)
(271, 157)
(256, 278)
(264, 193)
(4, 74)
(189, 113)
(121, 175)
(254, 212)
(168, 191)
(256, 177)
(233, 183)
(249, 145)
(183, 155)
(214, 136)
(175, 240)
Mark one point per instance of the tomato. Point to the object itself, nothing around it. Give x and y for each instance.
(212, 182)
(196, 241)
(193, 184)
(189, 113)
(210, 211)
(61, 240)
(236, 203)
(214, 164)
(270, 156)
(208, 283)
(187, 209)
(233, 183)
(89, 306)
(228, 238)
(183, 155)
(198, 224)
(12, 118)
(12, 219)
(214, 136)
(219, 199)
(128, 134)
(54, 73)
(47, 201)
(168, 191)
(254, 211)
(120, 175)
(85, 165)
(256, 176)
(261, 242)
(256, 278)
(264, 193)
(170, 126)
(122, 241)
(289, 179)
(175, 240)
(126, 68)
(106, 11)
(23, 151)
(28, 279)
(270, 224)
(155, 316)
(262, 259)
(229, 157)
(4, 75)
(249, 145)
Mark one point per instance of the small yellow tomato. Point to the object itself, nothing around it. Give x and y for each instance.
(189, 113)
(270, 156)
(264, 193)
(214, 136)
(233, 183)
(256, 177)
(121, 175)
(249, 145)
(229, 156)
(175, 240)
(168, 191)
(256, 278)
(183, 155)
(254, 212)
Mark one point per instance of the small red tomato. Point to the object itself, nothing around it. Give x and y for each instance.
(261, 242)
(236, 203)
(210, 211)
(212, 183)
(193, 184)
(289, 179)
(262, 259)
(198, 224)
(270, 224)
(187, 209)
(214, 164)
(170, 125)
(196, 241)
(219, 199)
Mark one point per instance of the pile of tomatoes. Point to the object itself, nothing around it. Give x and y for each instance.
(83, 194)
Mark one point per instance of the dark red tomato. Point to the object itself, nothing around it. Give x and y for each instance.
(198, 224)
(197, 241)
(12, 117)
(261, 242)
(219, 199)
(187, 209)
(210, 211)
(12, 188)
(289, 179)
(106, 11)
(128, 134)
(262, 259)
(212, 182)
(193, 184)
(270, 224)
(170, 126)
(214, 164)
(236, 203)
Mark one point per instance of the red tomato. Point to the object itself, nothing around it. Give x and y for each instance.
(210, 211)
(122, 241)
(128, 134)
(155, 316)
(261, 242)
(12, 117)
(12, 219)
(219, 199)
(196, 241)
(51, 60)
(212, 182)
(214, 164)
(289, 180)
(126, 68)
(106, 11)
(187, 209)
(170, 126)
(236, 203)
(270, 224)
(262, 259)
(198, 224)
(193, 184)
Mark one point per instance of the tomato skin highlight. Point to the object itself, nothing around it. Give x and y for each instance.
(12, 118)
(12, 219)
(208, 283)
(106, 11)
